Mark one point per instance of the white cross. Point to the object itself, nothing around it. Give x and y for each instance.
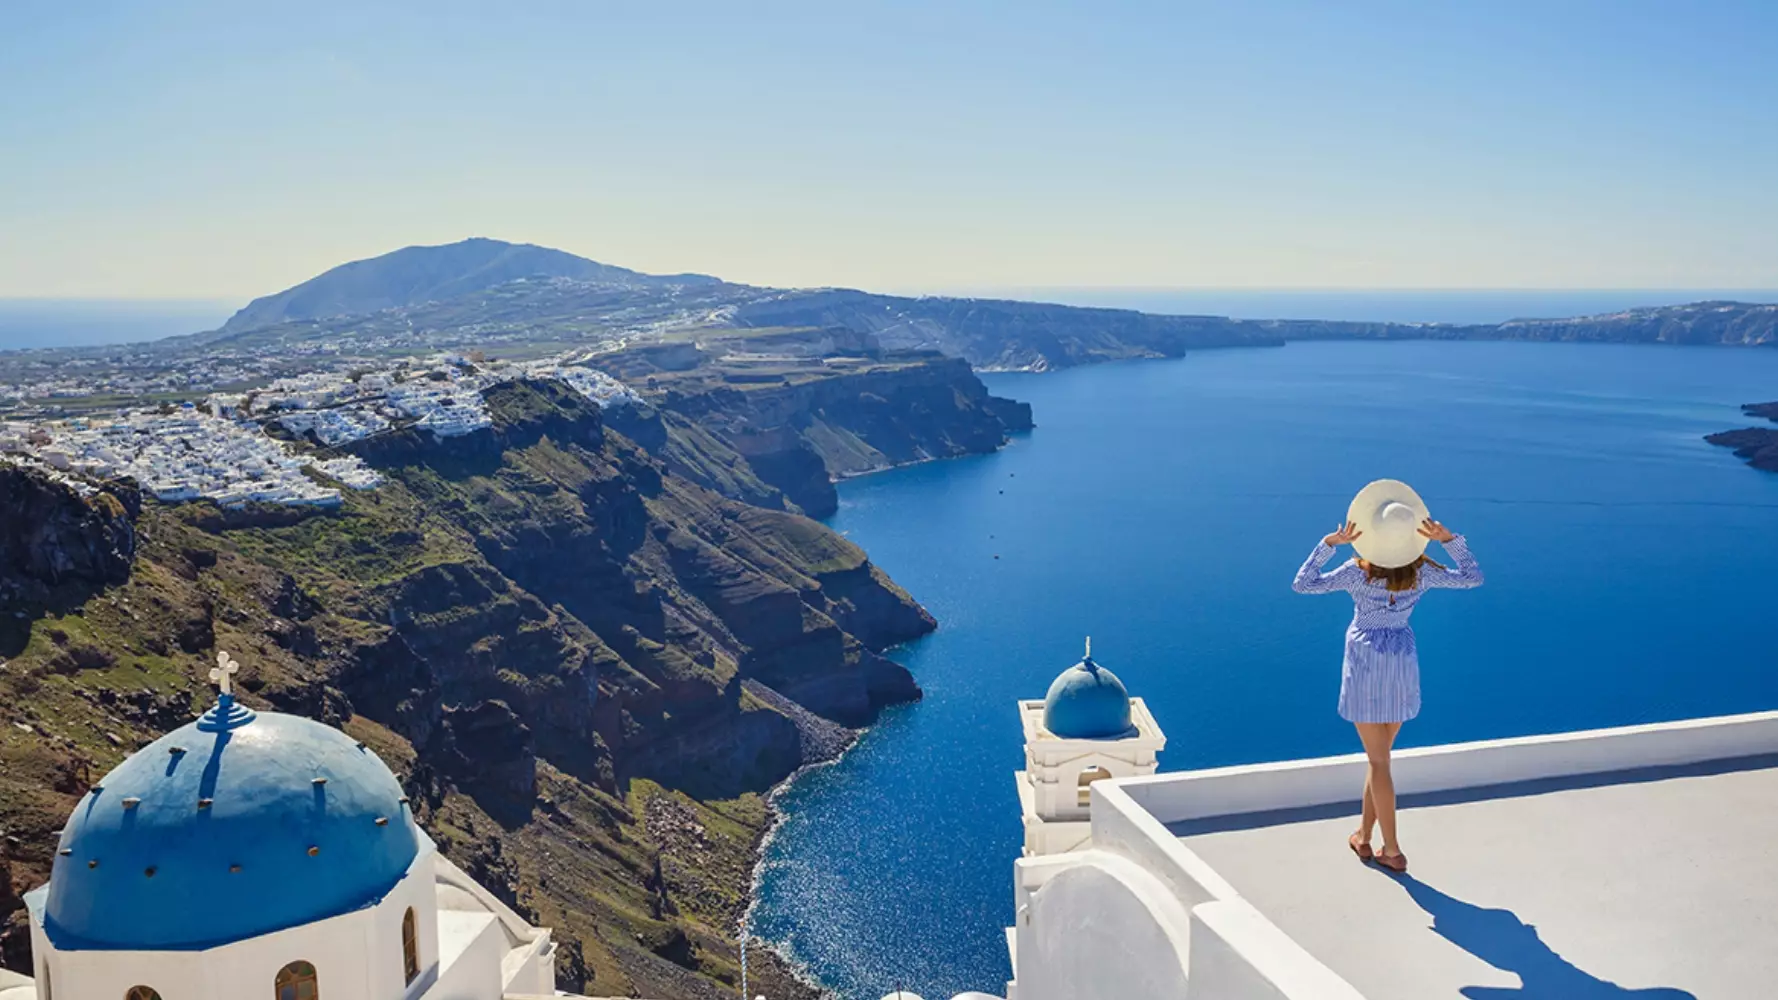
(225, 668)
(1089, 647)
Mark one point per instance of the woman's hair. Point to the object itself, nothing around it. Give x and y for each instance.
(1398, 578)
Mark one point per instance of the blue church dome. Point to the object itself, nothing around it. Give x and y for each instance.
(1088, 702)
(229, 827)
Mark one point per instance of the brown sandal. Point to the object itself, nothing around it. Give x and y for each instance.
(1363, 850)
(1397, 864)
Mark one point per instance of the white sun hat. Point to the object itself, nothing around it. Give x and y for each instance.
(1388, 513)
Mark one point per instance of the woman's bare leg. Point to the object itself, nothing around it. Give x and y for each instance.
(1379, 783)
(1367, 820)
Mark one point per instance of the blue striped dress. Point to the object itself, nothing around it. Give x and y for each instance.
(1380, 678)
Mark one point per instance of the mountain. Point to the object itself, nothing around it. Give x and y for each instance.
(502, 299)
(483, 293)
(417, 274)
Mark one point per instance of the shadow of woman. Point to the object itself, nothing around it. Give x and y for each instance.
(1501, 939)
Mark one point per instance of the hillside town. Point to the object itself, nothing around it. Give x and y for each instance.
(281, 443)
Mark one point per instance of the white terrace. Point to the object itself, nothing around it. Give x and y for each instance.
(1623, 864)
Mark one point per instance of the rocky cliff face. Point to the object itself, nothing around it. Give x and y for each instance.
(998, 334)
(995, 334)
(1735, 324)
(586, 666)
(778, 429)
(57, 546)
(1758, 445)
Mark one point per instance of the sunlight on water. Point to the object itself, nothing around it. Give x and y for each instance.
(1163, 506)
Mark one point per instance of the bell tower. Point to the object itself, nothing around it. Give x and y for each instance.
(1086, 729)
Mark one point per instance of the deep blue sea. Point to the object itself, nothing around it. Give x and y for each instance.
(1162, 506)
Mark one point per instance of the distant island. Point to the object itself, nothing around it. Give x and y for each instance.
(523, 300)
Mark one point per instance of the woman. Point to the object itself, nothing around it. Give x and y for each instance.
(1388, 526)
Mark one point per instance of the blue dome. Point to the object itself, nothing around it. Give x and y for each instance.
(224, 829)
(1088, 702)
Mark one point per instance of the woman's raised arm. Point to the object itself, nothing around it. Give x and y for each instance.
(1464, 575)
(1310, 579)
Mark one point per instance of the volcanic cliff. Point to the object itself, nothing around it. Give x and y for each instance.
(585, 660)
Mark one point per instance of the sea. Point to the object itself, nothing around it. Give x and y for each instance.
(30, 323)
(1161, 507)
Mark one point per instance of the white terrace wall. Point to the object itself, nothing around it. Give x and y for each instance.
(1232, 951)
(1232, 791)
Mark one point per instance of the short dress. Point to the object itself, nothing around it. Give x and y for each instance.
(1380, 678)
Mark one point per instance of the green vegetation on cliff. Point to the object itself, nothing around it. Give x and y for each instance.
(586, 668)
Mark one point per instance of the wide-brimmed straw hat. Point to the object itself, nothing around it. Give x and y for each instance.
(1388, 513)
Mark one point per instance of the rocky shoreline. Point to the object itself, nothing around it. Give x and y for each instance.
(1758, 445)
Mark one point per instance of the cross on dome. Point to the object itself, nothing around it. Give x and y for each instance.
(227, 713)
(225, 669)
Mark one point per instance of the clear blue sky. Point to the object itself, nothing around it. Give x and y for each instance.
(229, 149)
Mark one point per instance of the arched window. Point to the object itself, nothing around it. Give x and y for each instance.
(141, 993)
(1087, 777)
(410, 945)
(296, 981)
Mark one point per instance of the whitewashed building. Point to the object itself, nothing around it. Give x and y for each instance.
(1638, 863)
(259, 855)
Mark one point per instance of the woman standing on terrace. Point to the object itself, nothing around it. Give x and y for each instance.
(1388, 526)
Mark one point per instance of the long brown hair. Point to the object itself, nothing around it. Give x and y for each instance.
(1399, 578)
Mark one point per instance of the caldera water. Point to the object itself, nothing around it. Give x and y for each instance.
(1162, 507)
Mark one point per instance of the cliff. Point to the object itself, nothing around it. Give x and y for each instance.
(585, 666)
(57, 545)
(998, 334)
(776, 429)
(1758, 445)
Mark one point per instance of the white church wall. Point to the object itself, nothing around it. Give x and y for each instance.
(1047, 836)
(419, 892)
(1100, 928)
(244, 970)
(1122, 827)
(357, 956)
(535, 968)
(473, 945)
(1057, 786)
(527, 952)
(40, 971)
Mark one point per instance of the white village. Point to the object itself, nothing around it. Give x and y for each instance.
(219, 449)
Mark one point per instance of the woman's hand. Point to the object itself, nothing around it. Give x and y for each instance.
(1343, 535)
(1435, 531)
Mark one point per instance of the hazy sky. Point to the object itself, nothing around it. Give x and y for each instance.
(230, 149)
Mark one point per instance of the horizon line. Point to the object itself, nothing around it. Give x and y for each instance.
(981, 290)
